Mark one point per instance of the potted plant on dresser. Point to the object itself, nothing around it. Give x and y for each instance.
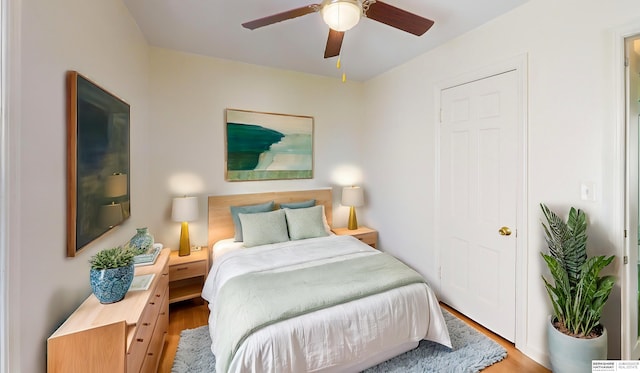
(578, 294)
(111, 273)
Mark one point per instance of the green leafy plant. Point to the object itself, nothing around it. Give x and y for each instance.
(579, 293)
(115, 257)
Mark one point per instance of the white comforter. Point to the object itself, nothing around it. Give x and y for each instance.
(334, 339)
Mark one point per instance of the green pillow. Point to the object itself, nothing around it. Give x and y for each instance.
(305, 222)
(264, 228)
(248, 209)
(298, 205)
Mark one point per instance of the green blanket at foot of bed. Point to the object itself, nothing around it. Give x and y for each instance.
(255, 300)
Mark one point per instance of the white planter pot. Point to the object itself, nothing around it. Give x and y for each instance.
(569, 354)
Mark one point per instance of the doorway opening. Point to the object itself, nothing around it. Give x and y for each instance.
(630, 281)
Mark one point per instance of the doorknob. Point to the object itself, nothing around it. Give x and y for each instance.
(505, 231)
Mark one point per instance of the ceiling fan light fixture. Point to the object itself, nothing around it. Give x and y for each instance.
(341, 15)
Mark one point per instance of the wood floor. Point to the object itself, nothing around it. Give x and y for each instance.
(191, 314)
(516, 361)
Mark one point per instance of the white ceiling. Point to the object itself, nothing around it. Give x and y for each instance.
(213, 28)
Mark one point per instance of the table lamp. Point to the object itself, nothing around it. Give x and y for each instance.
(110, 215)
(115, 187)
(184, 210)
(353, 197)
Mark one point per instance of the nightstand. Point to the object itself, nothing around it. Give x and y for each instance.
(187, 274)
(364, 234)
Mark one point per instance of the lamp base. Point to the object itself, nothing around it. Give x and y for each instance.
(185, 246)
(353, 221)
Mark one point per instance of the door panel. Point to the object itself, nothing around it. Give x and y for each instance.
(478, 194)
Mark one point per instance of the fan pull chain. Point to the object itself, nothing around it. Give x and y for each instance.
(338, 66)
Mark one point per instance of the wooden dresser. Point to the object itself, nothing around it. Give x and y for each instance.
(127, 336)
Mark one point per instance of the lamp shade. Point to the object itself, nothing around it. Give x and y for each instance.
(341, 15)
(184, 209)
(352, 196)
(116, 185)
(111, 215)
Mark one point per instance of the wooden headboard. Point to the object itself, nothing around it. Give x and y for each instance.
(221, 224)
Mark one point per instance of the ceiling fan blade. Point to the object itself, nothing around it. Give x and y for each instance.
(289, 14)
(334, 43)
(398, 18)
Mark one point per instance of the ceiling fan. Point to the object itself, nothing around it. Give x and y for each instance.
(342, 15)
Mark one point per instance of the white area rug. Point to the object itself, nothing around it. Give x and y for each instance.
(471, 352)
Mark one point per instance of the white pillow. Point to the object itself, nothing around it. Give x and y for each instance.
(225, 246)
(263, 228)
(327, 228)
(247, 209)
(306, 222)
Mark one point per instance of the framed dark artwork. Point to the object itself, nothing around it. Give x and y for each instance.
(98, 169)
(267, 146)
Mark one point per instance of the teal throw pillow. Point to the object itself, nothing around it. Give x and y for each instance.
(298, 205)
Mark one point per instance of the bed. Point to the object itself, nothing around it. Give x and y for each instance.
(309, 301)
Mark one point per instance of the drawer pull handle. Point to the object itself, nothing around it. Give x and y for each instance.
(152, 303)
(150, 353)
(140, 340)
(181, 268)
(158, 295)
(146, 324)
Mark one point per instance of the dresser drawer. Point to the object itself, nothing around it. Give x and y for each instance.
(187, 270)
(146, 324)
(161, 287)
(163, 317)
(152, 357)
(137, 352)
(142, 337)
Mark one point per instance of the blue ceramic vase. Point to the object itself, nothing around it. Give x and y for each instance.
(111, 285)
(142, 241)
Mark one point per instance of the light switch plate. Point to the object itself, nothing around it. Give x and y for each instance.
(588, 191)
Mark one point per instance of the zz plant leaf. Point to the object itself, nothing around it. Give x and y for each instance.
(578, 293)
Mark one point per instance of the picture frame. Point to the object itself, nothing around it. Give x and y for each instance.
(98, 162)
(267, 146)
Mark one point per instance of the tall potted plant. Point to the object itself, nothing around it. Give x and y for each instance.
(578, 294)
(111, 273)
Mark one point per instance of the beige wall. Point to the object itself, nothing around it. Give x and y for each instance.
(571, 136)
(100, 40)
(189, 95)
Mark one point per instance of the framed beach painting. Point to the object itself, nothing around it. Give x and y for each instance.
(267, 146)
